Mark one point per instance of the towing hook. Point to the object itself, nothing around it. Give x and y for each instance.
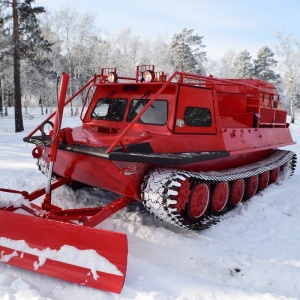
(37, 152)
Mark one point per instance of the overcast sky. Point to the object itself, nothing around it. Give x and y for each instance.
(225, 24)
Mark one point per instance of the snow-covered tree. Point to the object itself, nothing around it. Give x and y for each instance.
(243, 67)
(223, 67)
(161, 54)
(6, 70)
(157, 52)
(127, 51)
(73, 34)
(264, 65)
(187, 54)
(289, 65)
(3, 46)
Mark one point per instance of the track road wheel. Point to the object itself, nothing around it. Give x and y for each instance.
(199, 200)
(251, 187)
(264, 179)
(183, 195)
(274, 174)
(237, 191)
(219, 197)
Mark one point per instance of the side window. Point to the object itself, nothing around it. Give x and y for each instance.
(156, 114)
(197, 116)
(110, 109)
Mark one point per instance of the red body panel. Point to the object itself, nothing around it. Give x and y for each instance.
(102, 173)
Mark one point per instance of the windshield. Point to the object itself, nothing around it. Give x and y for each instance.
(110, 109)
(156, 114)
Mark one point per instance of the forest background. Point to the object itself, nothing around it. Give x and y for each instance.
(36, 46)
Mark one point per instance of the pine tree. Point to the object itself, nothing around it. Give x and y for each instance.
(187, 54)
(27, 39)
(243, 67)
(263, 65)
(17, 69)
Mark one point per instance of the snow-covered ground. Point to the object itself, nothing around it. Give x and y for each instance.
(252, 254)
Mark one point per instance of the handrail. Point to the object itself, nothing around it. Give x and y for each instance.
(223, 80)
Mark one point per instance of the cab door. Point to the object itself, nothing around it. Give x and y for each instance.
(195, 111)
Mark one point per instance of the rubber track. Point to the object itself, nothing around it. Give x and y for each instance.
(160, 187)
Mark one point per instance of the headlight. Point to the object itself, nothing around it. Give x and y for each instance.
(148, 76)
(112, 77)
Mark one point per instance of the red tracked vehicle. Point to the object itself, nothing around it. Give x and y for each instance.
(190, 147)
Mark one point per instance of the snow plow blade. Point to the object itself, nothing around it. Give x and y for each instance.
(79, 254)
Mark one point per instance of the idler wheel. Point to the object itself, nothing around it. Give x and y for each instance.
(219, 196)
(251, 186)
(199, 200)
(237, 191)
(263, 180)
(274, 174)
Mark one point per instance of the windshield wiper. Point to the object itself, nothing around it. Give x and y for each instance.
(139, 102)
